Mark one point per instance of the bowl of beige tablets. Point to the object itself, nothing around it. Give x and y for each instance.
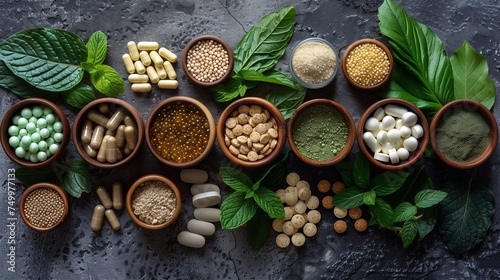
(393, 134)
(108, 132)
(153, 202)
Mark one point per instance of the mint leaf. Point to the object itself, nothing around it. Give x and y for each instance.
(361, 171)
(382, 213)
(428, 198)
(229, 90)
(79, 96)
(269, 202)
(77, 178)
(404, 212)
(408, 232)
(369, 198)
(258, 228)
(97, 47)
(388, 182)
(350, 197)
(235, 210)
(249, 194)
(235, 179)
(107, 81)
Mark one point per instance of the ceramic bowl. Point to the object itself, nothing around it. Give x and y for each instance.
(130, 196)
(37, 186)
(225, 142)
(114, 104)
(297, 76)
(468, 105)
(348, 52)
(189, 74)
(7, 122)
(351, 132)
(166, 105)
(415, 155)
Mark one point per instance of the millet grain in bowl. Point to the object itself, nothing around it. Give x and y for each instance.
(154, 202)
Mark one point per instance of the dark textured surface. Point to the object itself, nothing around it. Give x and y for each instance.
(73, 251)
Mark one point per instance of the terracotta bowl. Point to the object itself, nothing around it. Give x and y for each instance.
(56, 188)
(114, 103)
(297, 78)
(346, 55)
(280, 128)
(468, 105)
(153, 177)
(351, 132)
(205, 38)
(422, 141)
(180, 100)
(7, 122)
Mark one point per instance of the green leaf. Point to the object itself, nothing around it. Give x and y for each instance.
(265, 43)
(20, 87)
(369, 198)
(274, 175)
(272, 76)
(382, 213)
(361, 171)
(416, 181)
(465, 214)
(388, 182)
(350, 197)
(48, 59)
(107, 81)
(77, 178)
(235, 179)
(258, 229)
(470, 73)
(31, 176)
(428, 198)
(346, 172)
(79, 96)
(235, 210)
(249, 194)
(404, 212)
(97, 47)
(269, 202)
(408, 232)
(229, 90)
(427, 222)
(287, 100)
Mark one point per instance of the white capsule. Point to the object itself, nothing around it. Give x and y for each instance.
(168, 55)
(387, 146)
(168, 84)
(153, 75)
(201, 227)
(381, 157)
(161, 72)
(204, 187)
(405, 131)
(371, 124)
(141, 87)
(206, 199)
(382, 137)
(139, 67)
(129, 64)
(207, 214)
(411, 143)
(393, 135)
(395, 110)
(399, 123)
(138, 78)
(403, 154)
(393, 155)
(194, 176)
(417, 131)
(409, 118)
(379, 113)
(371, 142)
(388, 122)
(190, 239)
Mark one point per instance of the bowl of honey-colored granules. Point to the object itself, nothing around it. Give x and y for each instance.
(43, 206)
(153, 202)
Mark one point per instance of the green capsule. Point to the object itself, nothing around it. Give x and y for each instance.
(53, 148)
(22, 132)
(58, 127)
(44, 133)
(35, 137)
(43, 146)
(41, 123)
(31, 127)
(58, 137)
(22, 122)
(41, 156)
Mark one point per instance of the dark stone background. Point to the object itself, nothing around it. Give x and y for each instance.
(73, 251)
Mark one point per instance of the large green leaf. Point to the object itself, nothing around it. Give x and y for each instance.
(427, 222)
(286, 99)
(97, 47)
(429, 198)
(79, 96)
(361, 171)
(346, 172)
(106, 80)
(235, 210)
(409, 232)
(465, 214)
(272, 76)
(265, 43)
(349, 198)
(19, 86)
(382, 213)
(273, 177)
(404, 212)
(48, 59)
(470, 72)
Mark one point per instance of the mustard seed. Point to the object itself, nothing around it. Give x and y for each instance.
(367, 64)
(43, 207)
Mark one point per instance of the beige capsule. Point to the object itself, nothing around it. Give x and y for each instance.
(153, 75)
(130, 137)
(161, 72)
(103, 196)
(117, 195)
(112, 219)
(168, 55)
(97, 118)
(168, 84)
(172, 75)
(97, 136)
(133, 51)
(156, 58)
(148, 46)
(138, 78)
(110, 132)
(145, 59)
(129, 64)
(119, 155)
(116, 119)
(89, 151)
(141, 87)
(104, 108)
(97, 218)
(120, 136)
(126, 151)
(86, 134)
(139, 67)
(111, 156)
(129, 121)
(101, 154)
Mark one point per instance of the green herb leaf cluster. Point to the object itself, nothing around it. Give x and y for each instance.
(252, 203)
(423, 73)
(48, 63)
(255, 57)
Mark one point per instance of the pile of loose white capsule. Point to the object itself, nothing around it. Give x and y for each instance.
(147, 63)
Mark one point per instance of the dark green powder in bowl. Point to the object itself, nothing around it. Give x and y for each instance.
(320, 132)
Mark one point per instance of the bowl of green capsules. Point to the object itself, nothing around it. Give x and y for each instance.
(35, 132)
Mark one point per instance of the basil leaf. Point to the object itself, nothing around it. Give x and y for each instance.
(382, 213)
(287, 100)
(273, 77)
(465, 214)
(388, 182)
(346, 172)
(258, 229)
(107, 81)
(77, 178)
(428, 198)
(470, 72)
(409, 232)
(369, 198)
(97, 48)
(273, 177)
(19, 86)
(269, 202)
(235, 210)
(361, 174)
(265, 43)
(349, 198)
(79, 96)
(235, 179)
(31, 176)
(404, 212)
(48, 59)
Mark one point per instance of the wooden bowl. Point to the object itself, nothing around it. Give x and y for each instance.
(82, 116)
(153, 177)
(351, 132)
(468, 105)
(188, 73)
(280, 128)
(183, 100)
(7, 122)
(346, 55)
(415, 155)
(56, 188)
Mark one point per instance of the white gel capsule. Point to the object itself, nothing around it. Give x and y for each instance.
(393, 156)
(156, 58)
(393, 135)
(168, 55)
(409, 118)
(387, 146)
(206, 199)
(207, 214)
(405, 131)
(371, 142)
(388, 122)
(395, 110)
(411, 144)
(382, 137)
(145, 59)
(190, 239)
(194, 176)
(371, 124)
(152, 74)
(129, 64)
(417, 131)
(403, 154)
(204, 187)
(201, 227)
(161, 72)
(379, 113)
(381, 157)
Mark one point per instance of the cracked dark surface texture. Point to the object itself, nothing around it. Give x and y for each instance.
(73, 251)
